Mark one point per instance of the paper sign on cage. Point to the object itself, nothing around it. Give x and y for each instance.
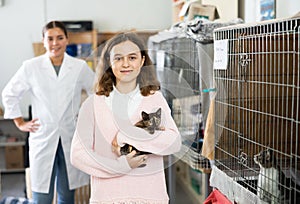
(220, 54)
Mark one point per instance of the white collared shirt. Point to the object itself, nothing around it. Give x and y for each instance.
(134, 98)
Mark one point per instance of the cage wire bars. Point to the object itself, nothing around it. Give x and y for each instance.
(257, 106)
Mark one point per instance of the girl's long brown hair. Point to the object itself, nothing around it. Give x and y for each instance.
(105, 79)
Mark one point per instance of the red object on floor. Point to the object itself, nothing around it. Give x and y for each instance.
(216, 197)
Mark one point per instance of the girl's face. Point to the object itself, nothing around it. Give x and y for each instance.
(126, 62)
(55, 42)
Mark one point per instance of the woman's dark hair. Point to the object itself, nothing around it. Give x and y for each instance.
(54, 24)
(105, 79)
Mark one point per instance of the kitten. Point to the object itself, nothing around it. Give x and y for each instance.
(150, 122)
(272, 183)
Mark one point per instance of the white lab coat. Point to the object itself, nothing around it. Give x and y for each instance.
(55, 102)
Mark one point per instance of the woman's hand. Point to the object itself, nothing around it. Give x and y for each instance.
(27, 126)
(136, 161)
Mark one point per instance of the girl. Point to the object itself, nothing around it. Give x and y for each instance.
(126, 85)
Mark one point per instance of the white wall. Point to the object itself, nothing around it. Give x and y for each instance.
(287, 8)
(114, 15)
(284, 9)
(21, 23)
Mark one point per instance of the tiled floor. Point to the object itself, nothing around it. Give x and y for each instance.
(13, 184)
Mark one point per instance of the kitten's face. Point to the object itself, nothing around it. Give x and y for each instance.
(265, 158)
(152, 119)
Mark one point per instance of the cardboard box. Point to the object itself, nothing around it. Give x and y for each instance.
(14, 157)
(177, 7)
(198, 10)
(38, 48)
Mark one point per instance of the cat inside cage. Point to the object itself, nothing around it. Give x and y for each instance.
(273, 186)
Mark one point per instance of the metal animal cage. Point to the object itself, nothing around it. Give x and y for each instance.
(181, 84)
(257, 107)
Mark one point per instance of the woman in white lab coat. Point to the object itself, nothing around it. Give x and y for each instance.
(55, 81)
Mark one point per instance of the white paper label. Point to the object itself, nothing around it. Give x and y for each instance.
(220, 54)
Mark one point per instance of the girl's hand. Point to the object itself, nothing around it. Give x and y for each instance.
(133, 161)
(27, 126)
(136, 161)
(115, 147)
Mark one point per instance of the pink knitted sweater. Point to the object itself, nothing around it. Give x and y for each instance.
(112, 179)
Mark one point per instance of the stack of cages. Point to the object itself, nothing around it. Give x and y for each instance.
(257, 152)
(178, 67)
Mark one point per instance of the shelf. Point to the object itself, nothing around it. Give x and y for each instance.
(16, 157)
(83, 37)
(12, 170)
(5, 119)
(5, 144)
(13, 150)
(86, 37)
(104, 36)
